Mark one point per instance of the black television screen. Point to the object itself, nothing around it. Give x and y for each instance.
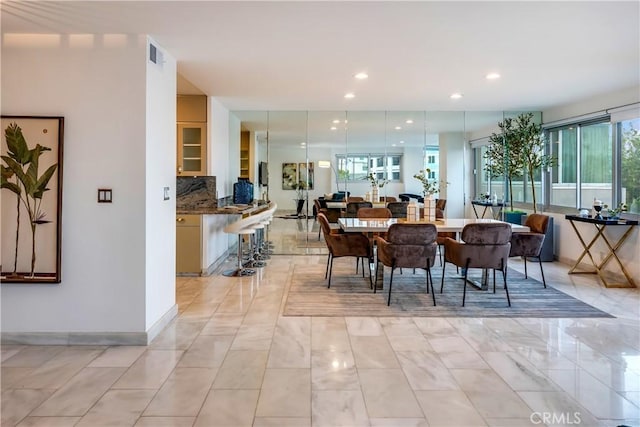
(264, 174)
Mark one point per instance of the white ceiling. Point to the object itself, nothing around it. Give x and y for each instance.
(302, 55)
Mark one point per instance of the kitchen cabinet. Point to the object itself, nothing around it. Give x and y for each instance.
(191, 112)
(245, 154)
(188, 244)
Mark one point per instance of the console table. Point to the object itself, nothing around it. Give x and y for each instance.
(496, 213)
(601, 225)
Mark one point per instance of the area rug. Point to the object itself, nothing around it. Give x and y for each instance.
(350, 295)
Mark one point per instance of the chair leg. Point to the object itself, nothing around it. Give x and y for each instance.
(464, 291)
(326, 271)
(525, 267)
(494, 280)
(544, 282)
(362, 262)
(504, 277)
(442, 278)
(330, 272)
(430, 282)
(390, 283)
(357, 261)
(375, 282)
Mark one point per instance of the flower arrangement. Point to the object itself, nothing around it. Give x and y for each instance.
(429, 187)
(615, 212)
(375, 182)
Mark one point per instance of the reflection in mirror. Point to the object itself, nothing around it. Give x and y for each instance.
(365, 146)
(406, 151)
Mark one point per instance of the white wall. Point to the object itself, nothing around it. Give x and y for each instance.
(454, 169)
(100, 90)
(160, 172)
(223, 160)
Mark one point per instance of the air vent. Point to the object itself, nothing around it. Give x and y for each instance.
(155, 55)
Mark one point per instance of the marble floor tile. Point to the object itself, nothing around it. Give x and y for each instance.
(10, 376)
(398, 422)
(449, 408)
(387, 394)
(618, 376)
(228, 408)
(425, 371)
(285, 393)
(206, 351)
(117, 407)
(253, 337)
(8, 351)
(183, 393)
(178, 335)
(479, 380)
(291, 346)
(49, 422)
(399, 326)
(333, 370)
(504, 404)
(150, 370)
(222, 324)
(329, 333)
(602, 401)
(363, 326)
(373, 352)
(517, 372)
(17, 403)
(558, 407)
(409, 343)
(242, 370)
(165, 422)
(59, 369)
(433, 327)
(343, 408)
(455, 352)
(32, 356)
(78, 395)
(281, 422)
(545, 359)
(514, 422)
(117, 357)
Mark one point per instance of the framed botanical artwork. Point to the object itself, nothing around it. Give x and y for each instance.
(289, 176)
(31, 199)
(306, 174)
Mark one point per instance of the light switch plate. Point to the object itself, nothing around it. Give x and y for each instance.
(166, 193)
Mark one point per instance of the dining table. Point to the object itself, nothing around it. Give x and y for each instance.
(381, 225)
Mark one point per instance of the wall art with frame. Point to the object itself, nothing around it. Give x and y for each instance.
(31, 199)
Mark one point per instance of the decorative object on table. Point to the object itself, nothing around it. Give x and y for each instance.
(289, 176)
(33, 199)
(518, 150)
(243, 192)
(376, 184)
(597, 208)
(300, 188)
(615, 212)
(429, 188)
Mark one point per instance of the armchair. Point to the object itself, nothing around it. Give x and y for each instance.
(486, 245)
(530, 244)
(411, 246)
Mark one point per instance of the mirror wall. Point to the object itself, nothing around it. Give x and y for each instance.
(297, 147)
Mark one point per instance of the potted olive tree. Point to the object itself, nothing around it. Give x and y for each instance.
(516, 151)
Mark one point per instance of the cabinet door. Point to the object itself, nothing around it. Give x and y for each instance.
(188, 244)
(192, 144)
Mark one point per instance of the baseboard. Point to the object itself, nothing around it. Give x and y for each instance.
(89, 338)
(161, 324)
(74, 338)
(587, 266)
(221, 260)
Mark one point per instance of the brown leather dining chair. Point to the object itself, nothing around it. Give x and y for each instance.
(529, 244)
(398, 209)
(343, 245)
(373, 213)
(484, 245)
(410, 246)
(353, 207)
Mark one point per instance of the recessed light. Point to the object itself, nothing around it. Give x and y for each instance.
(401, 142)
(333, 128)
(456, 95)
(398, 127)
(361, 76)
(350, 95)
(493, 76)
(409, 121)
(393, 145)
(336, 121)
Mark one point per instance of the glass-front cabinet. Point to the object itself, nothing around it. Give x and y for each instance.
(192, 139)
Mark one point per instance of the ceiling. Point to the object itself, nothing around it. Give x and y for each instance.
(303, 55)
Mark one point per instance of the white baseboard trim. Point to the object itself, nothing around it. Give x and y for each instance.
(161, 323)
(90, 338)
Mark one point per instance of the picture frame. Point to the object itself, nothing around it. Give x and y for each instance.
(289, 176)
(31, 198)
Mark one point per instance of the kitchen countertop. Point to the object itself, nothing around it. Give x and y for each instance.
(224, 210)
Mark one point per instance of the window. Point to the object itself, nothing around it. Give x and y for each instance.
(357, 167)
(629, 139)
(584, 167)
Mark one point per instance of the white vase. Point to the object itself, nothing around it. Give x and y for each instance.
(375, 196)
(429, 208)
